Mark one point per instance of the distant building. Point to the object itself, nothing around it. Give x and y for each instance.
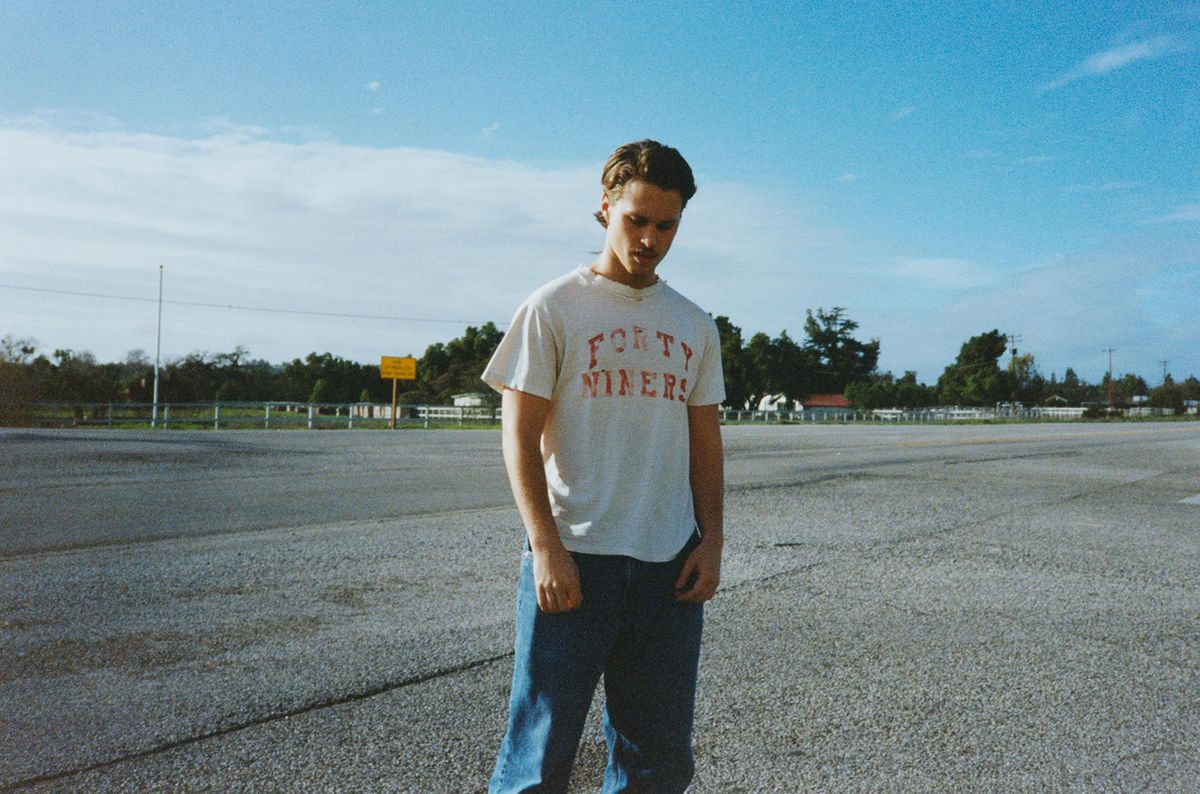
(471, 399)
(826, 401)
(773, 402)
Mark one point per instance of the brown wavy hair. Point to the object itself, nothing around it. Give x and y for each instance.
(651, 162)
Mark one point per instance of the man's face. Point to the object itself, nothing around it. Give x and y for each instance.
(641, 226)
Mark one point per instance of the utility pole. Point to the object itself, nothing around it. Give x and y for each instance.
(1164, 363)
(1012, 367)
(1012, 344)
(1110, 351)
(157, 351)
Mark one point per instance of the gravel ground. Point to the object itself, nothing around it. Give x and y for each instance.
(985, 608)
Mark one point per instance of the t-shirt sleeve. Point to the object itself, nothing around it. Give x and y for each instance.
(709, 388)
(527, 358)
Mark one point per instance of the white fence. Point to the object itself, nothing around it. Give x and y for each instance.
(263, 415)
(312, 416)
(944, 414)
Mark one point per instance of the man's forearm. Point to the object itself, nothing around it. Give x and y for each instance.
(707, 464)
(524, 418)
(527, 477)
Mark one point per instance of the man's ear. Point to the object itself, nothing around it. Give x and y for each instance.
(604, 204)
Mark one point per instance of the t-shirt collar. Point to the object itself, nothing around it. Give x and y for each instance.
(618, 288)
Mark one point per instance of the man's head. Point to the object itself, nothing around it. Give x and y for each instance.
(650, 162)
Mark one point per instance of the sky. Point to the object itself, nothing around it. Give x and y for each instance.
(368, 179)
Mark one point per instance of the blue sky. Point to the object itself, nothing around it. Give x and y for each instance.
(939, 170)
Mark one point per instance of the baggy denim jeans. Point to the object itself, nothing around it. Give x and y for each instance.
(631, 630)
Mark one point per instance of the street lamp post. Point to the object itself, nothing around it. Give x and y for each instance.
(157, 350)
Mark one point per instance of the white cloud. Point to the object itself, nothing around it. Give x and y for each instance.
(903, 113)
(1139, 295)
(1110, 60)
(943, 273)
(1190, 212)
(374, 85)
(848, 177)
(1103, 187)
(240, 217)
(1036, 159)
(489, 132)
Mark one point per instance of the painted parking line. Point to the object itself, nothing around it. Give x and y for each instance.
(1191, 500)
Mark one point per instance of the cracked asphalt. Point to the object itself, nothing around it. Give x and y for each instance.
(919, 608)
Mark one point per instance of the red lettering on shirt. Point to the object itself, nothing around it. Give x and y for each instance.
(590, 381)
(593, 344)
(668, 386)
(687, 355)
(647, 378)
(667, 341)
(626, 382)
(682, 389)
(613, 336)
(639, 338)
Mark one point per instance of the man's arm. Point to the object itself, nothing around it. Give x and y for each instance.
(554, 572)
(702, 570)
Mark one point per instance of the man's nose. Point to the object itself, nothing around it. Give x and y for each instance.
(649, 238)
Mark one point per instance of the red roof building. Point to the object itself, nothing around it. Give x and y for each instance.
(825, 401)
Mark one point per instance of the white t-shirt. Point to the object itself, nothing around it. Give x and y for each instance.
(621, 366)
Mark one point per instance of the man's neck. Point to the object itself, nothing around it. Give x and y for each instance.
(606, 265)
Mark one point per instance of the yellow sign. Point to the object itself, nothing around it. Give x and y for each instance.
(399, 368)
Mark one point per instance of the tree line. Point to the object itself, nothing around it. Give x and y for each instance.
(828, 360)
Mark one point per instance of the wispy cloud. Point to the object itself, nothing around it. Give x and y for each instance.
(943, 273)
(242, 218)
(1103, 187)
(1101, 63)
(239, 216)
(847, 177)
(488, 133)
(374, 85)
(1189, 212)
(903, 112)
(1036, 159)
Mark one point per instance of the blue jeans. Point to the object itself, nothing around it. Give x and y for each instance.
(631, 630)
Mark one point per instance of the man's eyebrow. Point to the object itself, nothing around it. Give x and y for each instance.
(634, 216)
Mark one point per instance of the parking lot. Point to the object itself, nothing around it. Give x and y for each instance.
(904, 608)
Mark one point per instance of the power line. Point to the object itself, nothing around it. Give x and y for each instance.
(236, 307)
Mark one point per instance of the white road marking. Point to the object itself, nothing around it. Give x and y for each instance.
(1191, 500)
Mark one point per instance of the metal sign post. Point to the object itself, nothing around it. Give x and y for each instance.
(397, 368)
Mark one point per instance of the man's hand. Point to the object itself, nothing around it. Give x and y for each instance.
(556, 578)
(701, 574)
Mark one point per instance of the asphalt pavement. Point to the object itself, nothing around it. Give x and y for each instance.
(916, 608)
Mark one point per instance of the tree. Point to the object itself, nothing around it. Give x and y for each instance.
(885, 391)
(18, 386)
(838, 357)
(1071, 389)
(320, 392)
(776, 366)
(735, 363)
(1124, 389)
(975, 378)
(17, 351)
(455, 367)
(1028, 385)
(1168, 396)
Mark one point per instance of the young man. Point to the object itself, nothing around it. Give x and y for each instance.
(611, 382)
